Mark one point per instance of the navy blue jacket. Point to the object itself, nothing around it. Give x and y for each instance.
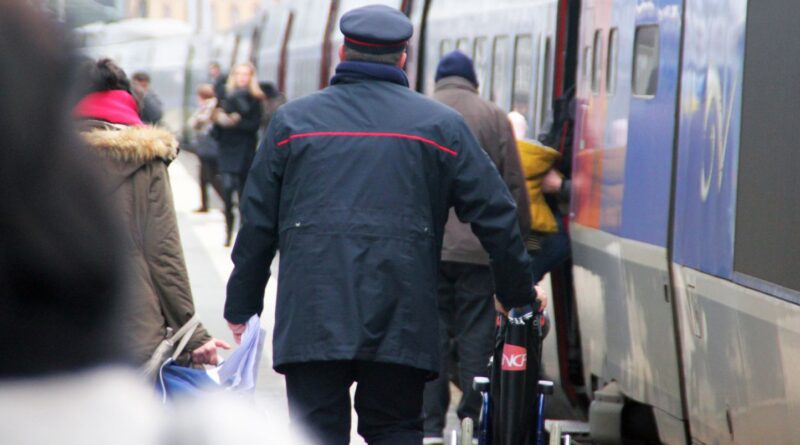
(353, 185)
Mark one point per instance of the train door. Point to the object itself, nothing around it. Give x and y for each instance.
(626, 94)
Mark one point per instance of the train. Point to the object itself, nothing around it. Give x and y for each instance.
(677, 319)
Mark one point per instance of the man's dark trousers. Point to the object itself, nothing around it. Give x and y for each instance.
(466, 318)
(388, 401)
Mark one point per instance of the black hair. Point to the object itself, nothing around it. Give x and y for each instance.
(61, 269)
(105, 75)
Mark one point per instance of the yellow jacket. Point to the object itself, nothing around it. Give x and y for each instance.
(537, 160)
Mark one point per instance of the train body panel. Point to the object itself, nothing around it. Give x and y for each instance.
(621, 198)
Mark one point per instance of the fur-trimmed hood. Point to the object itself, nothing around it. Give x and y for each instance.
(135, 145)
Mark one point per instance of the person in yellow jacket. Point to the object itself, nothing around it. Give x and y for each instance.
(547, 241)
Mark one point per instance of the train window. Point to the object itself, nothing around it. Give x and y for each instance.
(765, 182)
(500, 70)
(597, 60)
(586, 63)
(645, 61)
(445, 46)
(523, 76)
(546, 82)
(611, 63)
(481, 63)
(463, 45)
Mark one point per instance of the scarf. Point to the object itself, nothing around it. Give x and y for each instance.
(115, 106)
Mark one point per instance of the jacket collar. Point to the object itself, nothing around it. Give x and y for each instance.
(132, 144)
(356, 71)
(455, 82)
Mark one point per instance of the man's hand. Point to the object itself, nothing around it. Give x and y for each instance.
(541, 297)
(238, 330)
(207, 354)
(551, 183)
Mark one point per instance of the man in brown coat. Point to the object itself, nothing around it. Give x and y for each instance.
(466, 310)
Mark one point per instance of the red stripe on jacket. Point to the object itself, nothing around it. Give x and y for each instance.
(368, 134)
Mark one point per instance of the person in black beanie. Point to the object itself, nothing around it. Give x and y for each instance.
(466, 312)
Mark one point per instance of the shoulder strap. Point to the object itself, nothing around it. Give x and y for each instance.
(183, 335)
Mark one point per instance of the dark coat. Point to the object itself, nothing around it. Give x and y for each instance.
(353, 185)
(494, 133)
(134, 161)
(237, 144)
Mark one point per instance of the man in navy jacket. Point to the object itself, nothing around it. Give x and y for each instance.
(353, 185)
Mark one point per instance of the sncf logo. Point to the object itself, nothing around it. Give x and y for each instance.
(515, 358)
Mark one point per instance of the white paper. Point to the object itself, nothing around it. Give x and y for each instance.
(240, 371)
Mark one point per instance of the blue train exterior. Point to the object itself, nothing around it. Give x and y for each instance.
(685, 302)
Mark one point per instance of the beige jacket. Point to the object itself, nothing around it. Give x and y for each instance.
(135, 165)
(493, 131)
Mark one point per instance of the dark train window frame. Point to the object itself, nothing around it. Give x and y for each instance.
(651, 89)
(482, 65)
(505, 92)
(546, 83)
(515, 76)
(612, 60)
(597, 61)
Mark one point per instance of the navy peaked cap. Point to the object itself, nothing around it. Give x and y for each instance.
(376, 29)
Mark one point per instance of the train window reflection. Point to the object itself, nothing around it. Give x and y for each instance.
(645, 61)
(481, 64)
(586, 63)
(463, 45)
(611, 63)
(500, 71)
(523, 75)
(597, 60)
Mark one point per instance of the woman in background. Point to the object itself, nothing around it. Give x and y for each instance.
(238, 125)
(206, 147)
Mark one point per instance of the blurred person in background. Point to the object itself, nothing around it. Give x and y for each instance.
(217, 78)
(273, 99)
(206, 147)
(150, 107)
(237, 122)
(134, 160)
(465, 288)
(548, 192)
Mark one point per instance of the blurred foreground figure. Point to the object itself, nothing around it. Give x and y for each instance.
(62, 278)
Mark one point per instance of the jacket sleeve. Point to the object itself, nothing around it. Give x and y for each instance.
(512, 173)
(164, 252)
(258, 238)
(250, 109)
(482, 199)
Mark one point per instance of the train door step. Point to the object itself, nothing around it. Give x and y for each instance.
(561, 429)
